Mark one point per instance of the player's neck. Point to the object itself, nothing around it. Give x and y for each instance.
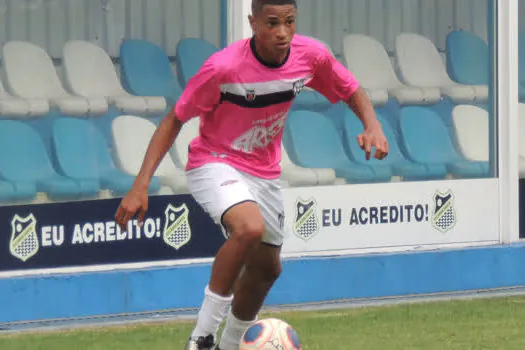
(262, 56)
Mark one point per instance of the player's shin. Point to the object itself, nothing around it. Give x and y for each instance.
(253, 286)
(227, 266)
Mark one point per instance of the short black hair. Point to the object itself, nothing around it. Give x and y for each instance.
(257, 5)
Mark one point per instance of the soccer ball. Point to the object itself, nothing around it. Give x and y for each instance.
(270, 334)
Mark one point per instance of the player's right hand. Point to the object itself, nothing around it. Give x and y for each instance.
(135, 202)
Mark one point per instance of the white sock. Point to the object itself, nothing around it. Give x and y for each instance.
(232, 334)
(213, 311)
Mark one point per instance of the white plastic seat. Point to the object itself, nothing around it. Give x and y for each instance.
(368, 60)
(19, 107)
(471, 126)
(31, 75)
(90, 73)
(420, 65)
(131, 137)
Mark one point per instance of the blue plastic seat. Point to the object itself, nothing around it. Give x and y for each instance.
(427, 141)
(83, 154)
(316, 144)
(7, 192)
(395, 160)
(146, 71)
(190, 57)
(521, 69)
(467, 58)
(24, 162)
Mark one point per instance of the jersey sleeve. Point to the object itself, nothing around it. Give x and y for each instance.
(331, 78)
(202, 93)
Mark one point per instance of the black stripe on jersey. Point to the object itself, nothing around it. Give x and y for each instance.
(259, 101)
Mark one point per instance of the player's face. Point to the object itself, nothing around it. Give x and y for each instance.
(274, 28)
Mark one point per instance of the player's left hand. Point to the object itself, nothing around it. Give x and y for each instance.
(373, 138)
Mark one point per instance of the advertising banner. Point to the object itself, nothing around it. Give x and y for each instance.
(80, 234)
(318, 220)
(391, 215)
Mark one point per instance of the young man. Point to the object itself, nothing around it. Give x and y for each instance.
(242, 95)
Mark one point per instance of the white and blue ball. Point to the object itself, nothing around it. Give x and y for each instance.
(270, 334)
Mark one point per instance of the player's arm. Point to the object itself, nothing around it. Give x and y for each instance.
(336, 83)
(373, 135)
(136, 200)
(201, 95)
(159, 145)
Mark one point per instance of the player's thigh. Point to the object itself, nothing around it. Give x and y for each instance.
(244, 221)
(223, 193)
(269, 198)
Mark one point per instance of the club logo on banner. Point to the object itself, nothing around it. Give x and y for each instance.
(306, 224)
(444, 216)
(177, 230)
(24, 239)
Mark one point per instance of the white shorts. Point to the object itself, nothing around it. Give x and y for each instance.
(217, 187)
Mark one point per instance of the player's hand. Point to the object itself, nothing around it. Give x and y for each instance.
(135, 202)
(373, 138)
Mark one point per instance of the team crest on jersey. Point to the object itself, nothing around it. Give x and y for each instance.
(298, 86)
(24, 239)
(306, 225)
(177, 230)
(250, 95)
(444, 215)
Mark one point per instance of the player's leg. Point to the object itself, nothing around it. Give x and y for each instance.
(262, 269)
(245, 225)
(222, 192)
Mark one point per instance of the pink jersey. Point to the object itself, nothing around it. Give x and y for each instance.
(243, 102)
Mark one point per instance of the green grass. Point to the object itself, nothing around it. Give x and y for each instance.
(475, 324)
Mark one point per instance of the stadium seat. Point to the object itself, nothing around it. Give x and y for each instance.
(471, 127)
(316, 144)
(368, 60)
(7, 192)
(24, 163)
(146, 71)
(90, 73)
(190, 56)
(521, 69)
(82, 154)
(131, 137)
(400, 166)
(16, 107)
(421, 65)
(427, 141)
(467, 58)
(31, 75)
(296, 176)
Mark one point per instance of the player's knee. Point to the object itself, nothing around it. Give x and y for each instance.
(250, 232)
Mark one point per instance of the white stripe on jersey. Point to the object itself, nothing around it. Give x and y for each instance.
(264, 88)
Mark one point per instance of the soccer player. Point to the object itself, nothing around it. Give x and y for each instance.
(242, 95)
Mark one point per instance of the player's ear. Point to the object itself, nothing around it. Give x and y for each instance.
(253, 25)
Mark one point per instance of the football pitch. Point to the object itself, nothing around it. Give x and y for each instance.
(496, 323)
